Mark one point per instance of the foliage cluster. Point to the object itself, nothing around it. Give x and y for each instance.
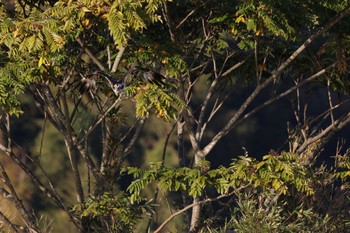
(90, 69)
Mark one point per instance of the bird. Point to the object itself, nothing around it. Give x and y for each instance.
(117, 86)
(139, 74)
(151, 76)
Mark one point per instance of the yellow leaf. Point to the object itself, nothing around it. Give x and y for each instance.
(234, 31)
(15, 33)
(86, 22)
(240, 19)
(104, 16)
(85, 9)
(41, 61)
(259, 32)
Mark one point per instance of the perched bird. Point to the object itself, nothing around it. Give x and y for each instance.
(118, 86)
(151, 76)
(138, 74)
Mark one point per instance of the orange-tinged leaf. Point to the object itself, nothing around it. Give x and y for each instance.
(86, 22)
(261, 68)
(259, 32)
(15, 33)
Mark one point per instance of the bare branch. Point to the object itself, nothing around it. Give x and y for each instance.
(234, 67)
(109, 57)
(287, 92)
(8, 130)
(28, 218)
(49, 193)
(330, 102)
(72, 154)
(256, 62)
(136, 135)
(91, 55)
(98, 121)
(169, 21)
(275, 74)
(189, 207)
(218, 104)
(330, 130)
(64, 126)
(189, 14)
(7, 221)
(206, 102)
(117, 59)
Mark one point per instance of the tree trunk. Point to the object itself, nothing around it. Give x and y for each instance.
(197, 208)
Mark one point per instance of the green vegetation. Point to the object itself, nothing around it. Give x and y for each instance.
(133, 115)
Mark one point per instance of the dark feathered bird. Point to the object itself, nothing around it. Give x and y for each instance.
(151, 76)
(117, 85)
(138, 74)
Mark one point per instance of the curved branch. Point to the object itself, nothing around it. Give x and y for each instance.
(189, 207)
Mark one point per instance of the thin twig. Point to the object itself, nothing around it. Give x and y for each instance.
(7, 221)
(330, 102)
(235, 66)
(189, 207)
(134, 138)
(189, 14)
(72, 154)
(49, 193)
(336, 126)
(43, 134)
(99, 120)
(206, 102)
(27, 216)
(109, 57)
(155, 196)
(217, 106)
(287, 92)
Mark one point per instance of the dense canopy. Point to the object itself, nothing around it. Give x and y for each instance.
(131, 115)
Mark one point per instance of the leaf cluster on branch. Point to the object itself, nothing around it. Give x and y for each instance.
(96, 75)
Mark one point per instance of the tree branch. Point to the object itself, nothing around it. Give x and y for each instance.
(91, 55)
(28, 218)
(331, 129)
(10, 225)
(287, 92)
(169, 21)
(117, 59)
(49, 193)
(136, 135)
(206, 102)
(275, 74)
(189, 207)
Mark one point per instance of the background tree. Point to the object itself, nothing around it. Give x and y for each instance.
(98, 72)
